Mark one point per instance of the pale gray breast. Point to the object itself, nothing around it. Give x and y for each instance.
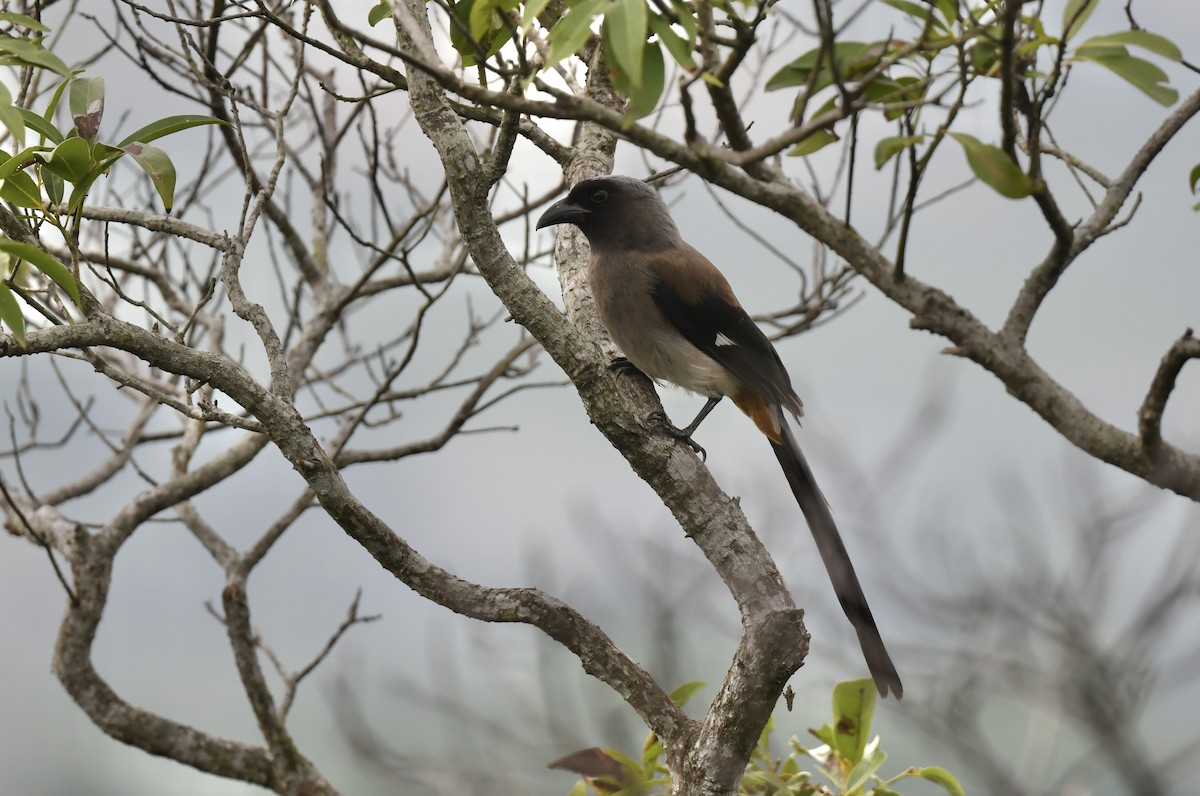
(644, 335)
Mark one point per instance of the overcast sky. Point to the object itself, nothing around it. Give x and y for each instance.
(555, 506)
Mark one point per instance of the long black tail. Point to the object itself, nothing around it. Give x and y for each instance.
(837, 561)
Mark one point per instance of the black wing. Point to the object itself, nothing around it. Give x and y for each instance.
(708, 315)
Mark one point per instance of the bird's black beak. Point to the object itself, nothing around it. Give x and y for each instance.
(562, 212)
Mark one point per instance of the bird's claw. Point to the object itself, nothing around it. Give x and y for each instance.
(660, 420)
(623, 365)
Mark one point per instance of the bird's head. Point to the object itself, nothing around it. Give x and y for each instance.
(615, 213)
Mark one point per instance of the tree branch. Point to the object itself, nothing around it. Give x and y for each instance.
(713, 521)
(285, 427)
(1150, 416)
(1045, 276)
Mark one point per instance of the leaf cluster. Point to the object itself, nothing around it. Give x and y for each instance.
(34, 177)
(847, 763)
(899, 77)
(954, 45)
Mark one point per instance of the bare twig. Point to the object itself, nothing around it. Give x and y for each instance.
(23, 526)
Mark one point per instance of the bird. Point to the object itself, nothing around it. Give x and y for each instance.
(676, 319)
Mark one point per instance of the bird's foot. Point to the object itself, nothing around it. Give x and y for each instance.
(660, 421)
(623, 365)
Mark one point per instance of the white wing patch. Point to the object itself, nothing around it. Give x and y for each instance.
(723, 340)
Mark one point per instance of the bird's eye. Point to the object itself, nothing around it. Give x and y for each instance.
(600, 196)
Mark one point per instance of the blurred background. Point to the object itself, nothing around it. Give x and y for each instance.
(1041, 606)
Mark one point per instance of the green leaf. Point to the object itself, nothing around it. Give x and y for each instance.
(479, 16)
(985, 57)
(687, 18)
(887, 148)
(14, 123)
(941, 776)
(30, 52)
(895, 95)
(11, 117)
(818, 140)
(106, 155)
(921, 13)
(1028, 48)
(86, 102)
(83, 186)
(828, 106)
(379, 13)
(23, 20)
(948, 9)
(683, 693)
(10, 313)
(651, 751)
(624, 34)
(1099, 51)
(643, 98)
(54, 188)
(80, 191)
(482, 20)
(853, 707)
(572, 30)
(632, 774)
(156, 163)
(679, 47)
(852, 58)
(71, 160)
(993, 165)
(56, 97)
(19, 161)
(1075, 14)
(1194, 177)
(870, 763)
(1159, 45)
(764, 737)
(1138, 72)
(531, 11)
(168, 125)
(41, 126)
(774, 783)
(825, 734)
(44, 263)
(21, 190)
